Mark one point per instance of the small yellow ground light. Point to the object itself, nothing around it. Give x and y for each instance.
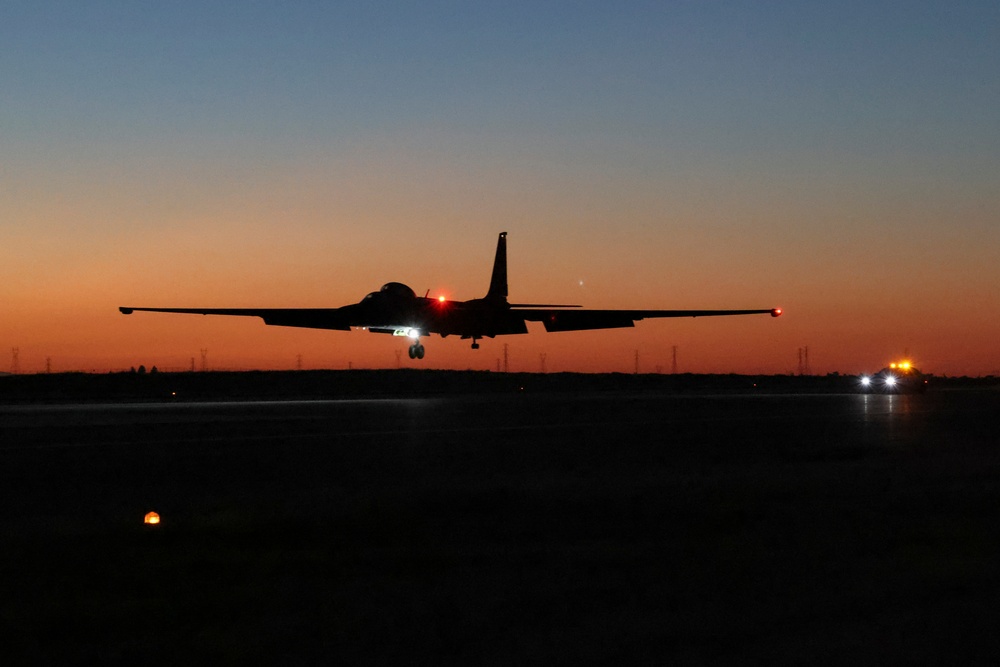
(152, 518)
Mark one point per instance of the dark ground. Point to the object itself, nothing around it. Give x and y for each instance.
(483, 523)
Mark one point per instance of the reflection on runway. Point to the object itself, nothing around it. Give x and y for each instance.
(668, 420)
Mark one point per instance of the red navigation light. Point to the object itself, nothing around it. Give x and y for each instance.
(775, 312)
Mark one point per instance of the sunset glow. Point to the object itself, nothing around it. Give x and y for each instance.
(840, 163)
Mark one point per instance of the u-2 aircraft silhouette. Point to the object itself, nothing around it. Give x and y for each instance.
(396, 309)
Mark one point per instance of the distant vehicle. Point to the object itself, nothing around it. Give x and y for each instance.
(900, 377)
(396, 309)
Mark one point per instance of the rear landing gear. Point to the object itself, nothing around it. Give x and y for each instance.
(475, 344)
(416, 351)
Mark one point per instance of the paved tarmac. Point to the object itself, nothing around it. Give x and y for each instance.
(505, 528)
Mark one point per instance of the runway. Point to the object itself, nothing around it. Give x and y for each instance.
(642, 527)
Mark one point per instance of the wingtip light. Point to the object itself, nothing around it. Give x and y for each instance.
(775, 312)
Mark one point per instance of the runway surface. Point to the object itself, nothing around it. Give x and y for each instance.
(505, 528)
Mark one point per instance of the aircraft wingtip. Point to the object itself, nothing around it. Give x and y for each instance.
(775, 312)
(124, 310)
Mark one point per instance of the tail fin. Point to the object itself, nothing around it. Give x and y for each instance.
(498, 281)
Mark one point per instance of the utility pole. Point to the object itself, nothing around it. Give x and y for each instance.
(204, 359)
(636, 362)
(541, 358)
(804, 361)
(15, 363)
(506, 365)
(673, 361)
(298, 362)
(48, 364)
(399, 354)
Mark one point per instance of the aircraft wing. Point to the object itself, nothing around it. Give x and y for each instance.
(310, 318)
(579, 320)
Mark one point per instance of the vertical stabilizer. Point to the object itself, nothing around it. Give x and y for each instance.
(498, 281)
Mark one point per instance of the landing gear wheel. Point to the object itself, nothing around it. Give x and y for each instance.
(475, 346)
(413, 352)
(419, 351)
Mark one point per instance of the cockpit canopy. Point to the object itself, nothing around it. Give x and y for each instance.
(393, 291)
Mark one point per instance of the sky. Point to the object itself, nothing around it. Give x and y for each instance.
(838, 160)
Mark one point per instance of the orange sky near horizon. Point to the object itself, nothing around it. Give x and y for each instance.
(854, 325)
(844, 166)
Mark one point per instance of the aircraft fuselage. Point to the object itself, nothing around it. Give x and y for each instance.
(396, 309)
